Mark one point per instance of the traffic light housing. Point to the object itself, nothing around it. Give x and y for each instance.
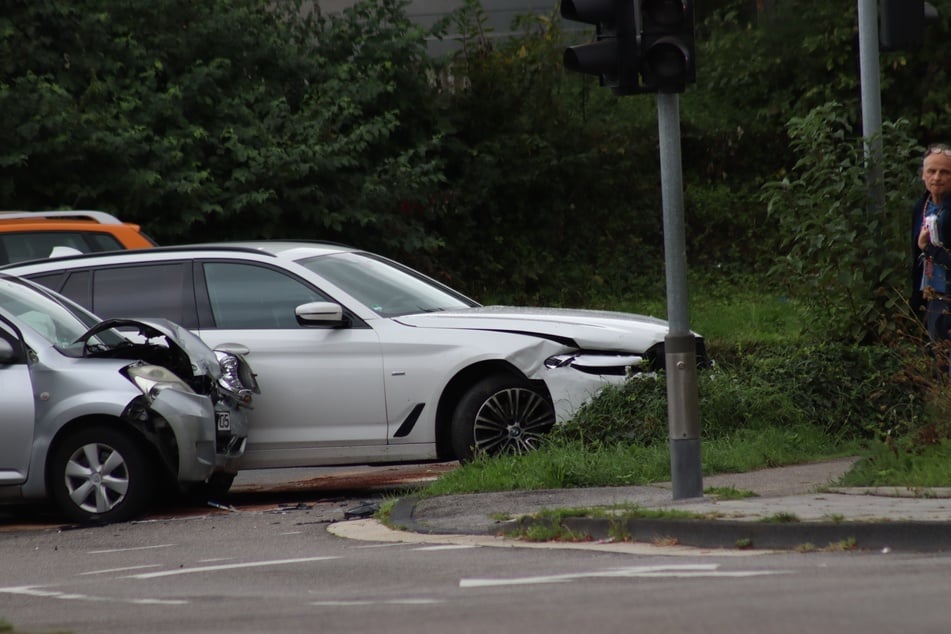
(667, 45)
(641, 46)
(902, 24)
(613, 54)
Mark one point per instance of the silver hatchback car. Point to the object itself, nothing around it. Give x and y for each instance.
(95, 419)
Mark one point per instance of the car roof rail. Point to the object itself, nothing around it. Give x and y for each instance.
(181, 248)
(99, 216)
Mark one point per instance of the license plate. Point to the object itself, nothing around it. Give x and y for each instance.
(223, 421)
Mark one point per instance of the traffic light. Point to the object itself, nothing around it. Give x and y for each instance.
(613, 55)
(902, 24)
(667, 46)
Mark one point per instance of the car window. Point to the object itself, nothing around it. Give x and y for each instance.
(29, 245)
(145, 290)
(51, 320)
(8, 334)
(385, 287)
(76, 287)
(250, 296)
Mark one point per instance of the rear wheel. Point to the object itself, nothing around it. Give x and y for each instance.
(500, 414)
(100, 474)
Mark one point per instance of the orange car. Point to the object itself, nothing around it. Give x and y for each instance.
(29, 235)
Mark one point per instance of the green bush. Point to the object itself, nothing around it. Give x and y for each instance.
(842, 248)
(847, 392)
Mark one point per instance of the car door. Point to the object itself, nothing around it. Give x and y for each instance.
(320, 386)
(16, 403)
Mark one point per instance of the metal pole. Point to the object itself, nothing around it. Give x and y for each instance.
(679, 344)
(871, 104)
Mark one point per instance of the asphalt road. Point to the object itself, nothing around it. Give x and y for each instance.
(329, 491)
(272, 565)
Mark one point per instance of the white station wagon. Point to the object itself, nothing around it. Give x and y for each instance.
(362, 360)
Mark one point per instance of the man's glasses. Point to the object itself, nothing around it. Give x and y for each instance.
(938, 149)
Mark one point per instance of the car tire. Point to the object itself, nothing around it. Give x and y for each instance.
(100, 475)
(500, 414)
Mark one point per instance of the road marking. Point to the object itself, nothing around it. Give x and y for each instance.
(125, 550)
(350, 604)
(688, 570)
(250, 564)
(447, 547)
(125, 569)
(38, 591)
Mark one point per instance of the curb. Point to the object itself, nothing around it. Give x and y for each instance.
(402, 516)
(907, 536)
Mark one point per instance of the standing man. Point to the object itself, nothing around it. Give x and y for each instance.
(932, 236)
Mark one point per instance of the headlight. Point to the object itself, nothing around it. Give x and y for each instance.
(598, 363)
(152, 379)
(231, 377)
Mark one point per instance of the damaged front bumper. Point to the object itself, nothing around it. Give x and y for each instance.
(231, 435)
(191, 418)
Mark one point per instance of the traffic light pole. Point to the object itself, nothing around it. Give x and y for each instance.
(679, 345)
(648, 47)
(871, 104)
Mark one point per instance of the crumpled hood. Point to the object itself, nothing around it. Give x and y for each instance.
(588, 329)
(180, 341)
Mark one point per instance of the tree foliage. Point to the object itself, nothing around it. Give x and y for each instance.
(219, 119)
(491, 168)
(552, 193)
(850, 258)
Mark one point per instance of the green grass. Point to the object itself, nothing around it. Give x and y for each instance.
(779, 397)
(567, 464)
(734, 317)
(729, 493)
(882, 465)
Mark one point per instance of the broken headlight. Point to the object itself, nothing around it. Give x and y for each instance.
(152, 379)
(598, 363)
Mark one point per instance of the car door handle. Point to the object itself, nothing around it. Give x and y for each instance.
(234, 348)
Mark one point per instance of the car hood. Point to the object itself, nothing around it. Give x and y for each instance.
(586, 329)
(180, 345)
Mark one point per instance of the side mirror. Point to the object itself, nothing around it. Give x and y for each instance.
(320, 314)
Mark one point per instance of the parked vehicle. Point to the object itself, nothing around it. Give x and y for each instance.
(364, 360)
(26, 235)
(95, 419)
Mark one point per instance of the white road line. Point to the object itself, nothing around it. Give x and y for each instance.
(125, 550)
(126, 569)
(701, 570)
(447, 547)
(350, 604)
(250, 564)
(37, 591)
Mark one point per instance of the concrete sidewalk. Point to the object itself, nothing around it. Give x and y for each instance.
(794, 508)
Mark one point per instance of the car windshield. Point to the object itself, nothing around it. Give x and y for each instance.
(53, 321)
(385, 287)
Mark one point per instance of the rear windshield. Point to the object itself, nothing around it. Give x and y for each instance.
(33, 245)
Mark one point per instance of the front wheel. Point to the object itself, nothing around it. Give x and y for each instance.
(500, 414)
(100, 474)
